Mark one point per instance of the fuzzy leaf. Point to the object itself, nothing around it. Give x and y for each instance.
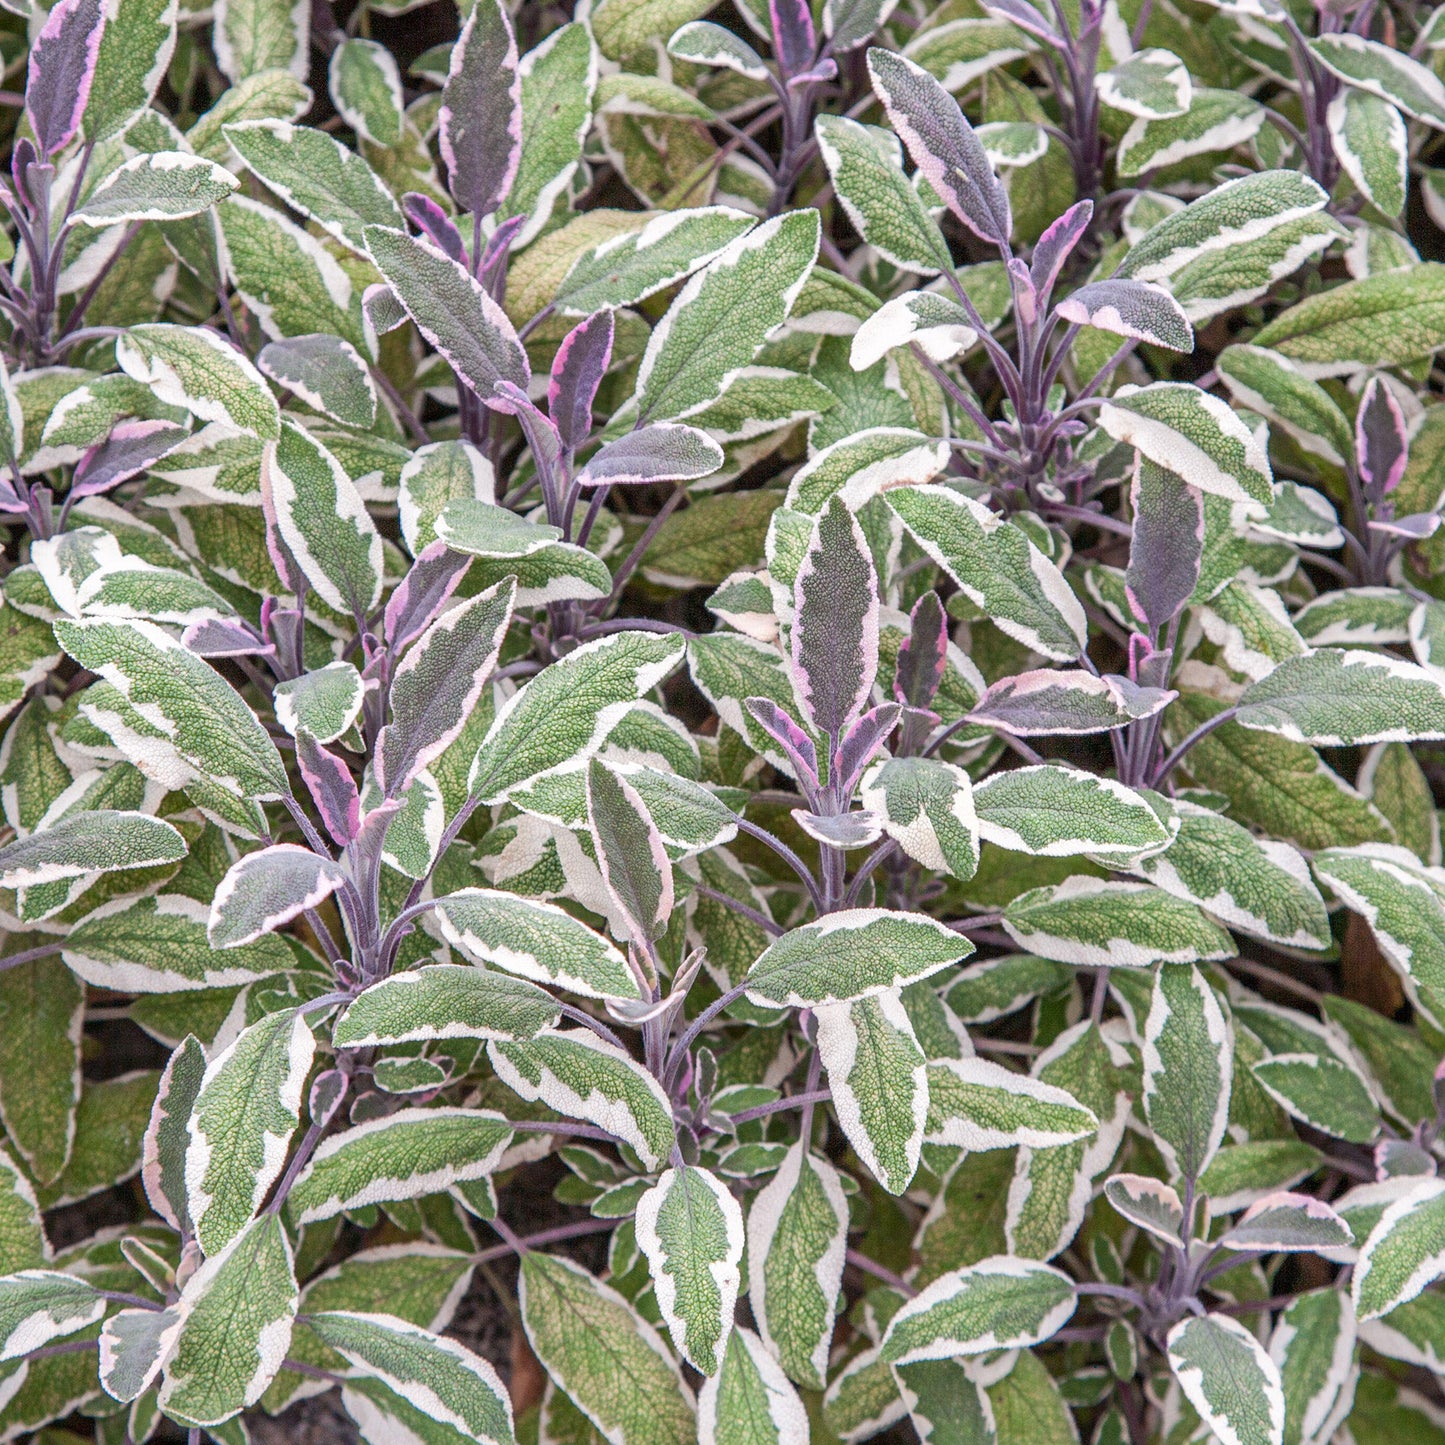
(1229, 1379)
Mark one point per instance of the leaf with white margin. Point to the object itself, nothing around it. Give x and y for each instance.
(936, 324)
(40, 1305)
(1404, 1253)
(852, 954)
(863, 1398)
(927, 808)
(1314, 1346)
(1252, 884)
(101, 841)
(702, 43)
(1382, 71)
(326, 702)
(723, 315)
(1229, 1379)
(134, 1346)
(1148, 1204)
(1403, 902)
(1272, 385)
(690, 1230)
(157, 186)
(23, 1244)
(797, 1238)
(1323, 1092)
(198, 369)
(399, 1156)
(1000, 1303)
(565, 713)
(238, 1310)
(1136, 309)
(1287, 1222)
(1241, 210)
(860, 466)
(1337, 698)
(247, 1109)
(1103, 923)
(1194, 434)
(750, 1401)
(631, 856)
(265, 890)
(323, 522)
(451, 309)
(627, 268)
(196, 714)
(436, 1375)
(998, 567)
(866, 165)
(1217, 120)
(437, 684)
(1009, 143)
(1056, 812)
(1153, 84)
(661, 452)
(879, 1080)
(326, 373)
(1371, 145)
(536, 940)
(365, 85)
(444, 1001)
(1188, 1051)
(610, 1362)
(976, 1104)
(1413, 1332)
(1056, 701)
(584, 1077)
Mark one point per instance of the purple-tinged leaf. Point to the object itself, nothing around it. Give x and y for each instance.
(331, 786)
(492, 272)
(826, 69)
(1136, 309)
(577, 371)
(422, 593)
(1027, 17)
(1026, 297)
(835, 637)
(452, 310)
(428, 217)
(923, 657)
(1057, 244)
(22, 157)
(480, 121)
(1382, 442)
(1065, 701)
(662, 452)
(1288, 1223)
(225, 637)
(438, 682)
(794, 40)
(944, 147)
(267, 889)
(62, 67)
(1168, 544)
(857, 829)
(630, 853)
(861, 744)
(130, 449)
(795, 743)
(1415, 528)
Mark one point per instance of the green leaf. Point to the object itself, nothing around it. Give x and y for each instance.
(690, 1229)
(1371, 145)
(879, 1080)
(1322, 1092)
(564, 715)
(998, 567)
(1229, 1379)
(247, 1109)
(1148, 1204)
(264, 890)
(610, 1361)
(1153, 84)
(103, 841)
(977, 1104)
(750, 1400)
(327, 373)
(444, 1380)
(253, 36)
(198, 369)
(631, 855)
(318, 176)
(1381, 71)
(1099, 923)
(22, 1233)
(399, 1156)
(40, 1305)
(1273, 386)
(167, 1135)
(927, 809)
(1217, 120)
(1387, 319)
(1188, 1049)
(579, 1075)
(1194, 434)
(365, 86)
(998, 1304)
(1314, 1346)
(797, 1232)
(42, 1011)
(238, 1309)
(444, 1001)
(136, 47)
(723, 315)
(324, 703)
(161, 186)
(854, 954)
(1055, 812)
